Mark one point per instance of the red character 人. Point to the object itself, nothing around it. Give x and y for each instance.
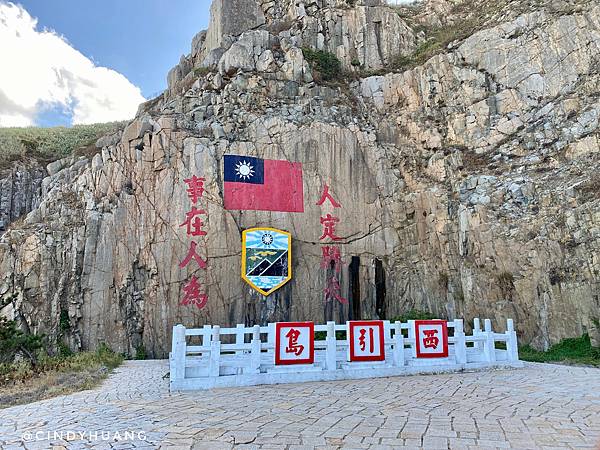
(327, 196)
(193, 255)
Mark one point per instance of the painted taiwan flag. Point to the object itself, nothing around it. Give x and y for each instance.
(263, 184)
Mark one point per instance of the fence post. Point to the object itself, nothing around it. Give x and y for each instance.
(398, 345)
(511, 341)
(489, 348)
(476, 331)
(239, 337)
(330, 349)
(215, 352)
(460, 344)
(271, 338)
(255, 356)
(177, 369)
(413, 338)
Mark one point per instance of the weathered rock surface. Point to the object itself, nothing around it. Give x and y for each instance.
(468, 185)
(20, 191)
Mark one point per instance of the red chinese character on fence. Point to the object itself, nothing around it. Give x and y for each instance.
(196, 188)
(327, 196)
(430, 340)
(194, 224)
(293, 346)
(192, 254)
(333, 291)
(362, 339)
(328, 223)
(331, 256)
(192, 294)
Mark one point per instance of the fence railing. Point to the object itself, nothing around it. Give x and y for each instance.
(212, 356)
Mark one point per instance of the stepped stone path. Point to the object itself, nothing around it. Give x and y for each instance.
(542, 406)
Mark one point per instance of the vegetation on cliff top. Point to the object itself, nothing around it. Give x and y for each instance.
(50, 144)
(569, 351)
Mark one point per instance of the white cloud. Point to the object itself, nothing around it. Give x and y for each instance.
(40, 70)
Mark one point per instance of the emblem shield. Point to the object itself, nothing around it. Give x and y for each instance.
(266, 259)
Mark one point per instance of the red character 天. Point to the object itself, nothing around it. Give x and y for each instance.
(293, 346)
(328, 223)
(192, 294)
(333, 291)
(327, 196)
(331, 256)
(193, 255)
(430, 340)
(193, 223)
(195, 188)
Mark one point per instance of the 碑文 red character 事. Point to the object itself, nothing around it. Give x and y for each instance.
(329, 223)
(195, 188)
(194, 223)
(293, 346)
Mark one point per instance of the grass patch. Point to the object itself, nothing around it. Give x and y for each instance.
(50, 144)
(568, 351)
(325, 66)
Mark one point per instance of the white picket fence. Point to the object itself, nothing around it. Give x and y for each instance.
(250, 360)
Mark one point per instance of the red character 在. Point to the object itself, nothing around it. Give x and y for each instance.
(194, 223)
(430, 340)
(331, 257)
(293, 346)
(327, 196)
(195, 188)
(193, 255)
(362, 340)
(333, 291)
(192, 294)
(328, 223)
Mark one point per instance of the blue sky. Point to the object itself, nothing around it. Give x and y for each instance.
(140, 39)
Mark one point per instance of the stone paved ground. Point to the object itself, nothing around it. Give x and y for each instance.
(541, 406)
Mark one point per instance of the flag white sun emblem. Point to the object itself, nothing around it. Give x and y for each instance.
(267, 239)
(244, 170)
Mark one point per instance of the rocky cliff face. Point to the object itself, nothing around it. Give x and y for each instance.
(468, 184)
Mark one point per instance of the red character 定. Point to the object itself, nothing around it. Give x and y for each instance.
(329, 223)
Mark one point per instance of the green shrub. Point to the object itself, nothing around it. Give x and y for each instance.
(327, 65)
(14, 342)
(140, 352)
(576, 350)
(414, 314)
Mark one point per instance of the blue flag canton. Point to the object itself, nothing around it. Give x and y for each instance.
(244, 169)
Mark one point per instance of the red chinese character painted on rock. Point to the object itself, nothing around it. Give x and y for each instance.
(331, 257)
(193, 223)
(362, 339)
(327, 196)
(293, 346)
(193, 255)
(195, 188)
(430, 340)
(328, 223)
(333, 291)
(192, 294)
